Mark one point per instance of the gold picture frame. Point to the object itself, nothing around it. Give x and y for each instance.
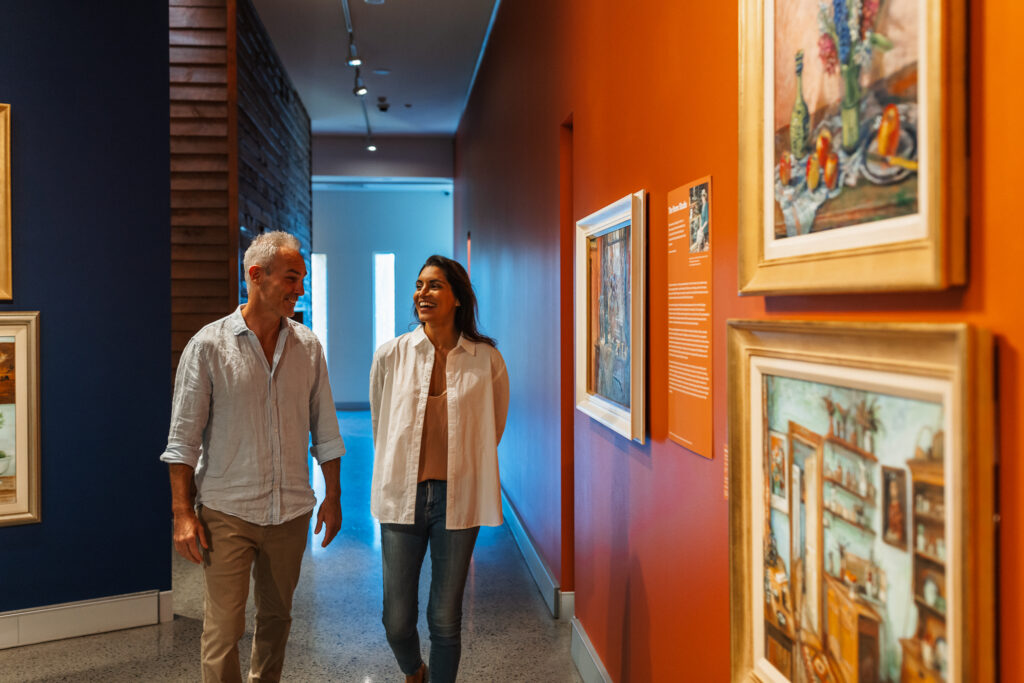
(610, 248)
(19, 418)
(864, 187)
(817, 586)
(6, 291)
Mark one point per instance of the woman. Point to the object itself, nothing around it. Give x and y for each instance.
(438, 399)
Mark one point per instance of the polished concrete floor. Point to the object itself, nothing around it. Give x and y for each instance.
(508, 634)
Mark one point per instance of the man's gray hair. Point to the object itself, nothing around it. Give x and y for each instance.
(265, 247)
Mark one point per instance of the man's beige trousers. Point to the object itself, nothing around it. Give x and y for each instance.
(274, 555)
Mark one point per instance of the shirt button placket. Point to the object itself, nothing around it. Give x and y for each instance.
(275, 454)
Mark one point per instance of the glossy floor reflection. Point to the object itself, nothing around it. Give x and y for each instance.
(508, 634)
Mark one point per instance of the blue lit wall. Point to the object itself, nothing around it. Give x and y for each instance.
(349, 226)
(88, 87)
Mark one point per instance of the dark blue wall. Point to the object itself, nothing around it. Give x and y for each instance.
(88, 87)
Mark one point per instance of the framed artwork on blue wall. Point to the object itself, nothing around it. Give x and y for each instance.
(880, 563)
(609, 321)
(19, 418)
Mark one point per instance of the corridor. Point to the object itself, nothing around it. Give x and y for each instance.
(508, 634)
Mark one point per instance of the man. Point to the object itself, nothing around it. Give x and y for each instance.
(250, 390)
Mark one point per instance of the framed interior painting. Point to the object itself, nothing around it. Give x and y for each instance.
(853, 173)
(5, 202)
(880, 565)
(609, 303)
(19, 418)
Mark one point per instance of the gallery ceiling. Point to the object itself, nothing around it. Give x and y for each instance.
(419, 60)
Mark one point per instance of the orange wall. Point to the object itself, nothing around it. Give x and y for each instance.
(651, 86)
(507, 193)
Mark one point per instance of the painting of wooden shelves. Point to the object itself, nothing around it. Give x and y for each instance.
(854, 580)
(861, 517)
(925, 655)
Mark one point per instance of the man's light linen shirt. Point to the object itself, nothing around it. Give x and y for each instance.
(244, 424)
(477, 400)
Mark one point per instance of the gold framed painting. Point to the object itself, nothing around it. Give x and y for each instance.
(5, 202)
(853, 169)
(879, 563)
(609, 308)
(19, 418)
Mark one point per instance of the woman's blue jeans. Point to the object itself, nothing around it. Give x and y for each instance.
(403, 547)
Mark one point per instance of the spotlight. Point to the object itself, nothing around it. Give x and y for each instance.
(353, 55)
(360, 87)
(371, 147)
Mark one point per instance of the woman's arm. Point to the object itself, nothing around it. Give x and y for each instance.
(499, 384)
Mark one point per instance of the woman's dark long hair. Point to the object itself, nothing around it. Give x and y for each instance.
(462, 288)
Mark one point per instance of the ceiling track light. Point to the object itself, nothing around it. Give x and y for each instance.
(359, 88)
(353, 54)
(370, 147)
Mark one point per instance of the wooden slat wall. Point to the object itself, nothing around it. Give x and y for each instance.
(274, 138)
(203, 162)
(241, 155)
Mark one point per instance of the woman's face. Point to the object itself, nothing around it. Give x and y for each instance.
(434, 300)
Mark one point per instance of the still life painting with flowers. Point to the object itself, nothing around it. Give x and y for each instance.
(852, 145)
(845, 114)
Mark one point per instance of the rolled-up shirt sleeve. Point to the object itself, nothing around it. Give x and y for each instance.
(190, 408)
(323, 418)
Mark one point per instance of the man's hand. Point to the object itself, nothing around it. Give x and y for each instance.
(329, 514)
(329, 517)
(187, 531)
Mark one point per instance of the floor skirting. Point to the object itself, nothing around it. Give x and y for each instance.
(560, 603)
(584, 656)
(85, 617)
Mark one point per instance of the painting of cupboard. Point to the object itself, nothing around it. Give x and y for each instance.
(840, 603)
(861, 535)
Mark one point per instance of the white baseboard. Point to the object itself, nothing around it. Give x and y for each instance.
(585, 657)
(72, 619)
(567, 605)
(559, 604)
(166, 606)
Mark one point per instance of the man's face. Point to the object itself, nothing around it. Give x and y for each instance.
(280, 285)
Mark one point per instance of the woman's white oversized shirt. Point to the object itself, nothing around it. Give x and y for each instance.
(477, 385)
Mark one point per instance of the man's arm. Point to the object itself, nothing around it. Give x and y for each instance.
(329, 515)
(187, 529)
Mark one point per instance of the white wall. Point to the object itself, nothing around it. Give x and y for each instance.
(349, 225)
